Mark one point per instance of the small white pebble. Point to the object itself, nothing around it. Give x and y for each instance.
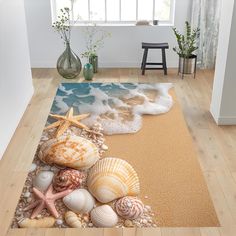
(104, 147)
(39, 216)
(32, 167)
(146, 197)
(27, 194)
(148, 208)
(59, 221)
(144, 221)
(90, 224)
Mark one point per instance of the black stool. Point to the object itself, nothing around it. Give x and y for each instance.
(163, 47)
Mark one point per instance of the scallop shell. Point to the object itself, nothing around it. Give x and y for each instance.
(79, 201)
(112, 178)
(46, 222)
(129, 208)
(72, 219)
(68, 179)
(42, 180)
(104, 216)
(72, 151)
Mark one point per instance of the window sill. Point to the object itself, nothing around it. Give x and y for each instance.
(124, 25)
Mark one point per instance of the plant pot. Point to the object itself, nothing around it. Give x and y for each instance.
(69, 64)
(187, 65)
(94, 61)
(88, 71)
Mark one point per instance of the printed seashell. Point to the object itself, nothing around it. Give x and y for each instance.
(72, 151)
(43, 180)
(72, 220)
(104, 216)
(68, 179)
(129, 208)
(112, 178)
(79, 201)
(46, 222)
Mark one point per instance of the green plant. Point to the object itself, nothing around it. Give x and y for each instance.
(94, 37)
(187, 42)
(62, 25)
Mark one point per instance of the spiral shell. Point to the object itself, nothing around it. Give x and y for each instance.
(68, 179)
(79, 201)
(104, 216)
(72, 151)
(72, 219)
(42, 180)
(46, 222)
(112, 178)
(129, 208)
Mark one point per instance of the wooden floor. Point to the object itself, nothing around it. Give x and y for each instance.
(216, 147)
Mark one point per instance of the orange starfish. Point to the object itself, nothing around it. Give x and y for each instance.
(46, 200)
(64, 122)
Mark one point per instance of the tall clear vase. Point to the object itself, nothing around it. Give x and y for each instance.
(68, 64)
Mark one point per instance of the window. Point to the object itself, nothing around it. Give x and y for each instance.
(116, 11)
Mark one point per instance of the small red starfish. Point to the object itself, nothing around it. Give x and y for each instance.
(46, 200)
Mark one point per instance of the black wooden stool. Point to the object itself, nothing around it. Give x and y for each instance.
(163, 47)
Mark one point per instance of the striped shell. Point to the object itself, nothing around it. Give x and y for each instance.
(104, 216)
(79, 201)
(129, 208)
(112, 178)
(72, 219)
(68, 179)
(72, 151)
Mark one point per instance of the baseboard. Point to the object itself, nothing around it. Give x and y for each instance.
(118, 64)
(223, 120)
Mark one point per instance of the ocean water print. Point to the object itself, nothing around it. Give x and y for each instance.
(119, 107)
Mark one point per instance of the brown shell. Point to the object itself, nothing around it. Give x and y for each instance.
(68, 179)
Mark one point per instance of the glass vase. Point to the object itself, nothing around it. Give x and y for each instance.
(94, 61)
(69, 64)
(88, 71)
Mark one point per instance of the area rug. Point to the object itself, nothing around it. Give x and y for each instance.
(115, 155)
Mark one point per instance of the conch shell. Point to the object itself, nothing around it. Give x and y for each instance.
(112, 178)
(129, 208)
(72, 219)
(46, 222)
(104, 216)
(72, 151)
(79, 201)
(68, 179)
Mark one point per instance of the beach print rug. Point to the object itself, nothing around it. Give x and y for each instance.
(115, 155)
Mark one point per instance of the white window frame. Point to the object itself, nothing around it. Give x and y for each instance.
(170, 22)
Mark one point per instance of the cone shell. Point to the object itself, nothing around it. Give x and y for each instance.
(104, 216)
(72, 151)
(46, 222)
(112, 178)
(79, 201)
(129, 208)
(72, 219)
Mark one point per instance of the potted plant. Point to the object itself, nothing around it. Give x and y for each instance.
(94, 37)
(187, 45)
(68, 64)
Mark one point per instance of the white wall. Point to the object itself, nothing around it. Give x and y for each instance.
(223, 106)
(15, 75)
(123, 49)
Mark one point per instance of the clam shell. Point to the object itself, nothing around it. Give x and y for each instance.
(72, 151)
(104, 216)
(112, 178)
(42, 180)
(79, 201)
(68, 179)
(129, 208)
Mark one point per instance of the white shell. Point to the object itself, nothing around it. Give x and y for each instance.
(43, 180)
(104, 216)
(71, 151)
(32, 167)
(112, 178)
(79, 201)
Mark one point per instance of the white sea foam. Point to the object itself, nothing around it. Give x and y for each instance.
(120, 108)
